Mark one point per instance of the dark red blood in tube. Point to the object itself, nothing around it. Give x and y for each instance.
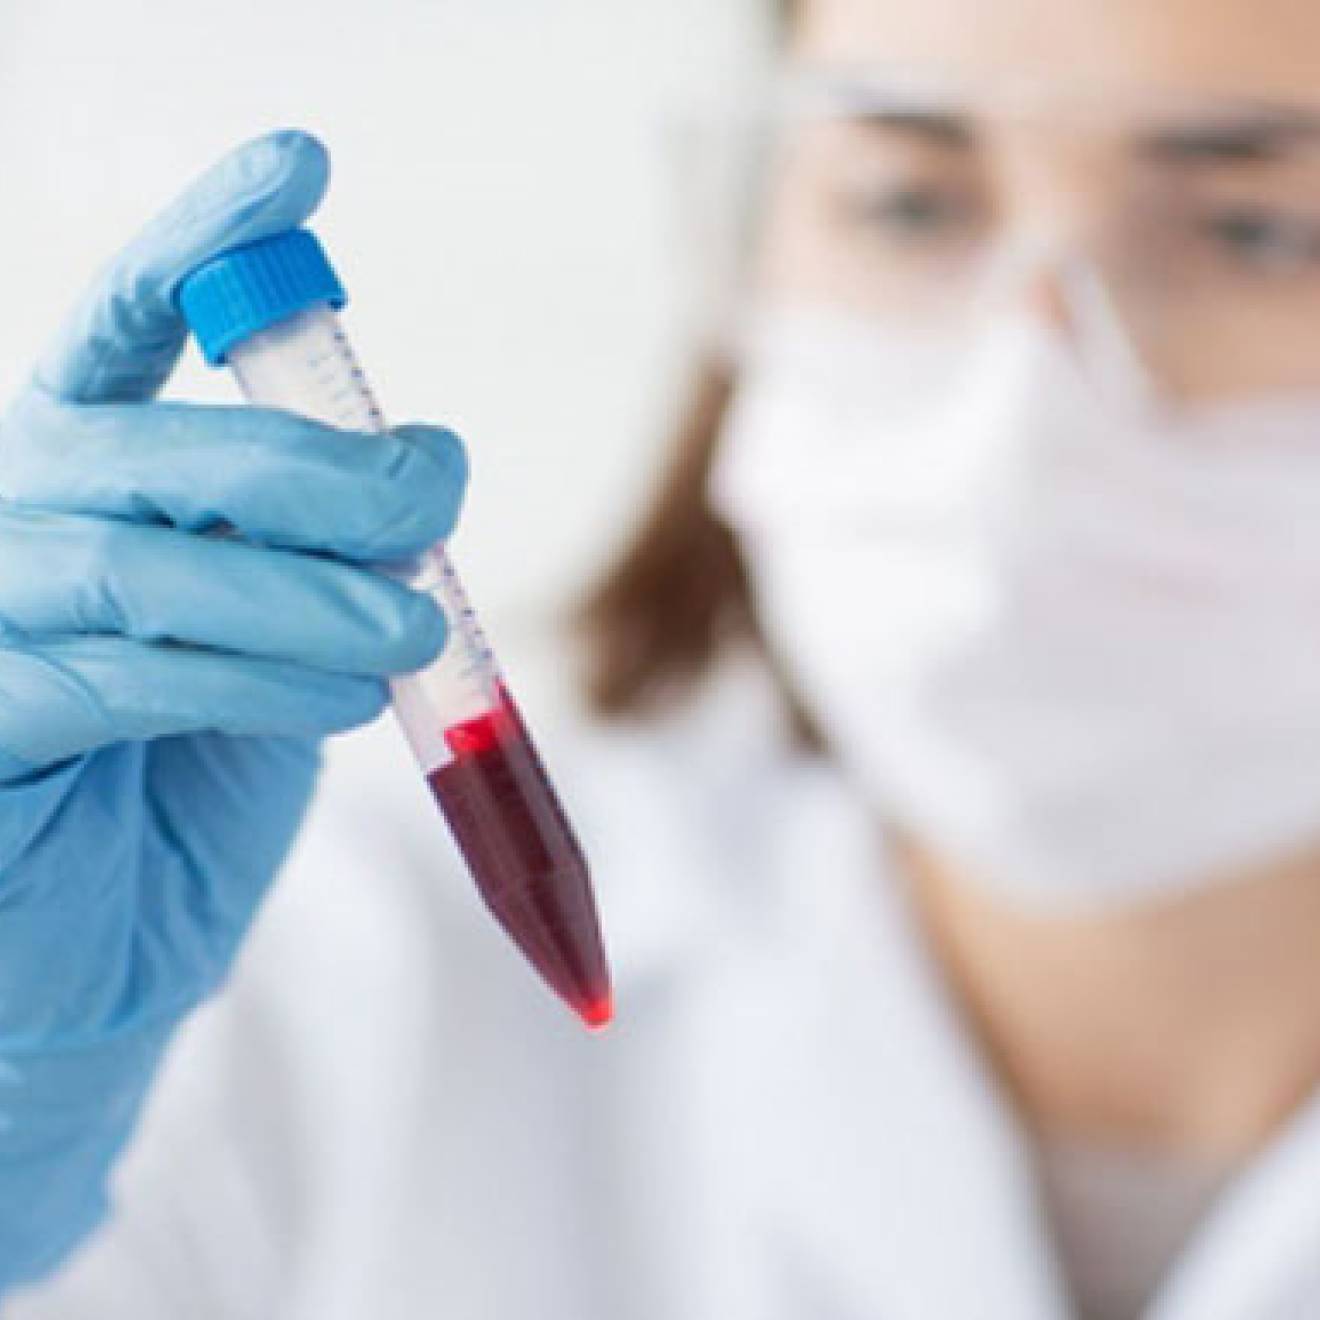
(521, 850)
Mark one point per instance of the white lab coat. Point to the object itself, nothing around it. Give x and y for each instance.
(386, 1117)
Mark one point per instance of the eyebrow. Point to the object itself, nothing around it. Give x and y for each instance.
(1244, 142)
(941, 129)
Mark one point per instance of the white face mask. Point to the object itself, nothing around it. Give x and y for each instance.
(1073, 643)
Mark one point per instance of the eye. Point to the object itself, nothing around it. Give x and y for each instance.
(912, 211)
(1267, 241)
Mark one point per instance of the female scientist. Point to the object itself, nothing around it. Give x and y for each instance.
(955, 798)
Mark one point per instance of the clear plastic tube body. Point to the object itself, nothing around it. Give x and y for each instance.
(305, 364)
(457, 714)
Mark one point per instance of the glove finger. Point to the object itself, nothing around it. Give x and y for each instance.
(276, 477)
(66, 696)
(123, 338)
(67, 574)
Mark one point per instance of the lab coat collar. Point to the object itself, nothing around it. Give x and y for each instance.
(882, 1167)
(865, 1163)
(1258, 1253)
(882, 1172)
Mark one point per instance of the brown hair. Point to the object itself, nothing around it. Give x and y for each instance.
(677, 596)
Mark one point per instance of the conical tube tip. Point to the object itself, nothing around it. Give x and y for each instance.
(598, 1013)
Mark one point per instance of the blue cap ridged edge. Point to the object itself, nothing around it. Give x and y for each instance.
(255, 286)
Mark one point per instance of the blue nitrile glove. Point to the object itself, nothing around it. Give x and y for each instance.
(162, 692)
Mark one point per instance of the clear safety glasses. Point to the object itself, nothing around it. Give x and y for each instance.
(928, 203)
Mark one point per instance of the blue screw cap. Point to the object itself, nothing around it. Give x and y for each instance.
(254, 287)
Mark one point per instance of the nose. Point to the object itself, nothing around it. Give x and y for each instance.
(1036, 274)
(1059, 201)
(1071, 298)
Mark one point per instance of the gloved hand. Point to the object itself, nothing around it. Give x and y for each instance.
(162, 692)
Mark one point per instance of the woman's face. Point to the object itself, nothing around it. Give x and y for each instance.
(1172, 144)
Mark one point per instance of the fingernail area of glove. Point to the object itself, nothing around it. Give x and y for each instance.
(426, 631)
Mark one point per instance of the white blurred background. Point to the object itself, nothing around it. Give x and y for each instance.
(502, 212)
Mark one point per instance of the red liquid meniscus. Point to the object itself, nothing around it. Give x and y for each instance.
(531, 872)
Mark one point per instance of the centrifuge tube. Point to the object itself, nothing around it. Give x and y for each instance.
(268, 309)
